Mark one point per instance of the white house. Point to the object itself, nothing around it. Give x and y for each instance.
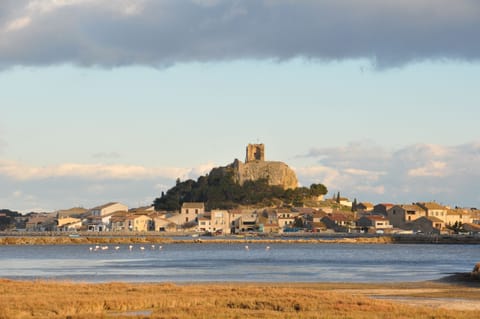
(107, 209)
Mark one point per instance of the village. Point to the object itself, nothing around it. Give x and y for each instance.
(331, 216)
(317, 215)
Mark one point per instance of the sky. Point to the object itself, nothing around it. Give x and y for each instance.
(105, 100)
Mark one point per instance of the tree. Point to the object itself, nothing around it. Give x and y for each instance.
(338, 198)
(318, 190)
(298, 222)
(218, 190)
(354, 205)
(457, 227)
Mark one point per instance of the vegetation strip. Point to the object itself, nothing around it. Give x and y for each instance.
(47, 299)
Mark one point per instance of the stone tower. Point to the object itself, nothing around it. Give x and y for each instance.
(255, 152)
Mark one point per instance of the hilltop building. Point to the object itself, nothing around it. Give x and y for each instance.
(256, 168)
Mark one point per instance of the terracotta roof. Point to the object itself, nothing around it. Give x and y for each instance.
(376, 217)
(471, 227)
(385, 204)
(105, 205)
(411, 207)
(432, 205)
(337, 217)
(118, 218)
(305, 210)
(132, 217)
(457, 212)
(365, 204)
(319, 214)
(434, 219)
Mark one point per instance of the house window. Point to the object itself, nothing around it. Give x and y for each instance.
(186, 211)
(196, 211)
(186, 219)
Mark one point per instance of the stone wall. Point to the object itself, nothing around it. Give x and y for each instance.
(276, 173)
(255, 152)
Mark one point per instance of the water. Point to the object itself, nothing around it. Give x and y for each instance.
(233, 262)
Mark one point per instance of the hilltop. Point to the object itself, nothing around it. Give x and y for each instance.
(255, 182)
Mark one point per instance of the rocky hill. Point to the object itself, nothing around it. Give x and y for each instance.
(255, 182)
(275, 173)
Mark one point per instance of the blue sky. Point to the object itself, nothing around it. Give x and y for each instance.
(383, 110)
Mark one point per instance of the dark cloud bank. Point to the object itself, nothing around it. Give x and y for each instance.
(164, 32)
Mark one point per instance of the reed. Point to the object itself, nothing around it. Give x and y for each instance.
(46, 299)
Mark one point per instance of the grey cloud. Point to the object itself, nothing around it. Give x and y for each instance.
(161, 33)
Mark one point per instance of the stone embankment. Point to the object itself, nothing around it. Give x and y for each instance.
(55, 238)
(435, 239)
(89, 238)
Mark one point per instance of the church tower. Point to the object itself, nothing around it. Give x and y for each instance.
(255, 152)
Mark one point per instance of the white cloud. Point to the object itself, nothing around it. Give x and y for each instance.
(433, 168)
(415, 172)
(20, 171)
(17, 194)
(18, 24)
(200, 170)
(317, 174)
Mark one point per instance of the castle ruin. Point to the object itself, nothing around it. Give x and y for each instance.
(255, 152)
(256, 168)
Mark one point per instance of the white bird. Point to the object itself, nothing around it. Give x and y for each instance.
(142, 248)
(91, 248)
(246, 247)
(153, 246)
(267, 248)
(104, 247)
(130, 247)
(117, 247)
(160, 247)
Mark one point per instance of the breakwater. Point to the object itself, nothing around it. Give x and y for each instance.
(148, 238)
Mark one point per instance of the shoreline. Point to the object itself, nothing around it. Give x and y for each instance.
(145, 238)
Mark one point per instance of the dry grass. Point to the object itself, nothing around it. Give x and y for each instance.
(44, 299)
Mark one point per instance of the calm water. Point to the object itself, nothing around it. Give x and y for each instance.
(232, 262)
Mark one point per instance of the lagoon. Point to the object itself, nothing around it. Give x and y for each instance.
(233, 262)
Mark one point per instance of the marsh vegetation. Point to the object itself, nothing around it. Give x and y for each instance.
(45, 299)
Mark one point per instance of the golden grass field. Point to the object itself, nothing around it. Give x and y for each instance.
(45, 299)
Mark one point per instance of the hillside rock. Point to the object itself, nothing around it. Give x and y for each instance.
(276, 173)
